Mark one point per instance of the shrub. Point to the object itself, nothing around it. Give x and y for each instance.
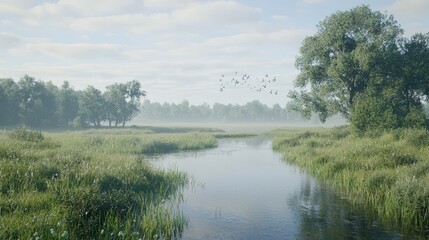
(159, 147)
(88, 211)
(110, 183)
(49, 172)
(27, 134)
(416, 118)
(372, 113)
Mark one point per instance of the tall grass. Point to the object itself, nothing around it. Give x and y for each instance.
(389, 172)
(89, 185)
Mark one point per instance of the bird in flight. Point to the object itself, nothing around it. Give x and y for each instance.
(257, 84)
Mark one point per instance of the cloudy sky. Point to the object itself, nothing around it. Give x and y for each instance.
(178, 49)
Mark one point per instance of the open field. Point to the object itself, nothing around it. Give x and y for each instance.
(92, 184)
(388, 172)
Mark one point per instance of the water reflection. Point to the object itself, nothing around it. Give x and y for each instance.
(323, 214)
(251, 193)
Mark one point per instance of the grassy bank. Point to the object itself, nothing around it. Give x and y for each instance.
(389, 172)
(91, 184)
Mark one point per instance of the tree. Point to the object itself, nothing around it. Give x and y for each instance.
(116, 104)
(92, 107)
(414, 70)
(37, 102)
(9, 102)
(67, 104)
(349, 50)
(123, 102)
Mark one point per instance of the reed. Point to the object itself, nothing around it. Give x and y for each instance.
(387, 171)
(91, 184)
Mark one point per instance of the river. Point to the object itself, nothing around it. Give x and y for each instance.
(245, 190)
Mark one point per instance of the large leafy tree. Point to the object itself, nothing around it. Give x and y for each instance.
(92, 107)
(123, 101)
(116, 104)
(37, 102)
(350, 49)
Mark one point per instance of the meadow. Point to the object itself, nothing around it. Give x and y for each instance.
(97, 183)
(93, 184)
(387, 172)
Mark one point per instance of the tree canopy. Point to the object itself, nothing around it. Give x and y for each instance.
(360, 58)
(39, 104)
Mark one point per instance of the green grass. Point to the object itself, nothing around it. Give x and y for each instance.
(233, 135)
(91, 184)
(389, 172)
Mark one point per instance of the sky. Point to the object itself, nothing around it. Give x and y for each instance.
(177, 49)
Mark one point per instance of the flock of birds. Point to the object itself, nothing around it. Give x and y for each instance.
(258, 84)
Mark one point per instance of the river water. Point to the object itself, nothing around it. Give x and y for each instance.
(244, 190)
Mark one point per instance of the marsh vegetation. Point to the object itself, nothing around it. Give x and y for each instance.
(386, 171)
(91, 184)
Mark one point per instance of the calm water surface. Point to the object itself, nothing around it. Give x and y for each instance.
(245, 190)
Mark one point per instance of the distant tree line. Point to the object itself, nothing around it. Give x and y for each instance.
(253, 111)
(42, 104)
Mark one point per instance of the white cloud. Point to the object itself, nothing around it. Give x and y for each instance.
(128, 22)
(313, 1)
(409, 8)
(15, 6)
(216, 13)
(286, 37)
(9, 41)
(280, 17)
(50, 13)
(102, 7)
(79, 51)
(167, 4)
(65, 11)
(201, 15)
(411, 14)
(245, 43)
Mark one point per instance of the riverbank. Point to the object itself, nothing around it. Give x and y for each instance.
(389, 172)
(92, 184)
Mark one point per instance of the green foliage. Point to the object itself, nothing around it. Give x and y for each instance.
(415, 118)
(37, 102)
(170, 143)
(338, 62)
(159, 147)
(89, 185)
(87, 211)
(375, 113)
(359, 65)
(44, 105)
(388, 172)
(92, 106)
(26, 134)
(68, 106)
(372, 114)
(9, 102)
(123, 102)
